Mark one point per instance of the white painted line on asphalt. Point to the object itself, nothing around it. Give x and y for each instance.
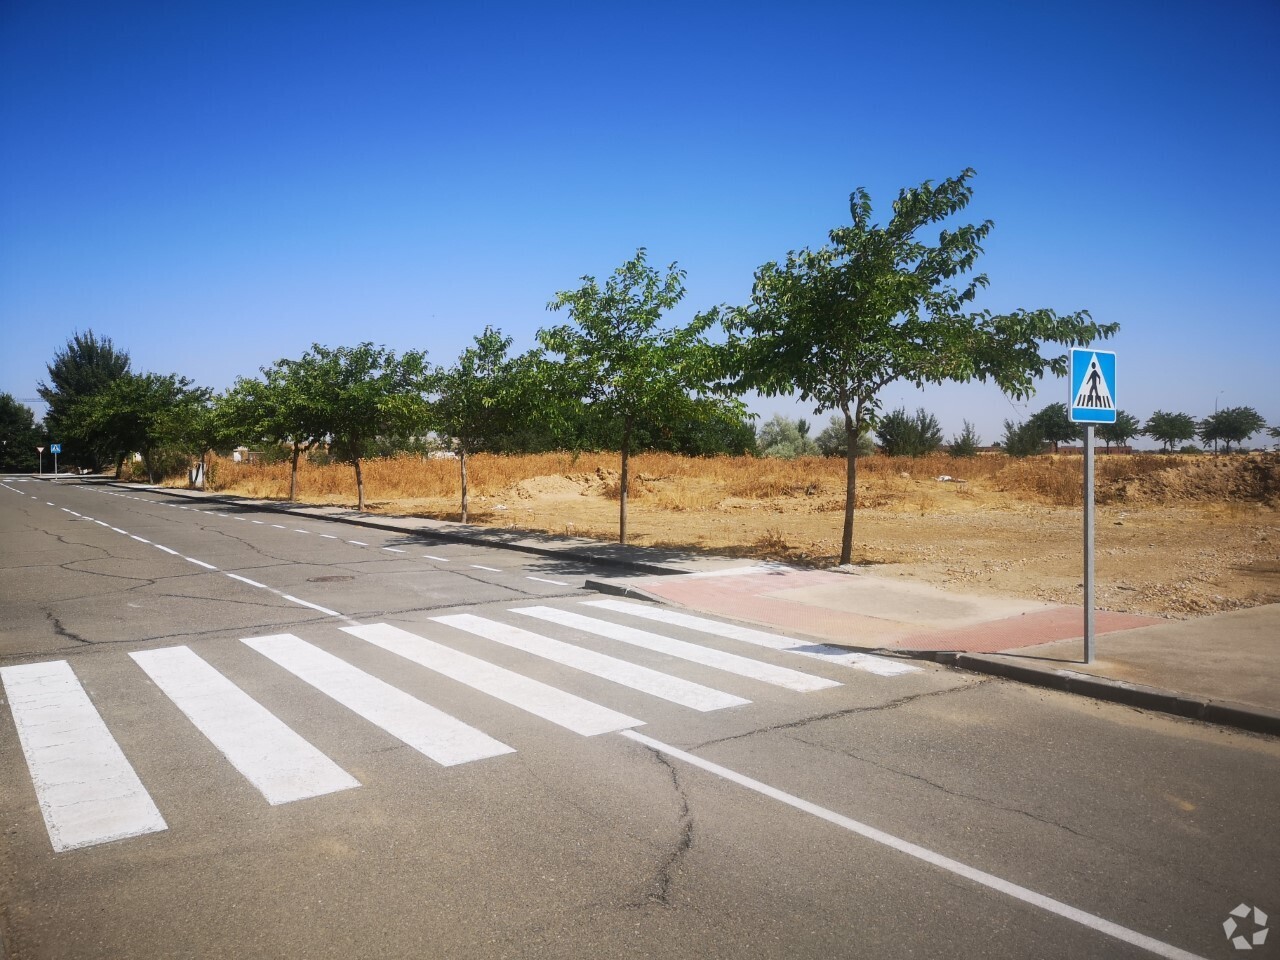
(102, 523)
(1048, 904)
(313, 606)
(87, 790)
(729, 662)
(278, 526)
(48, 504)
(653, 682)
(431, 732)
(118, 530)
(262, 522)
(252, 583)
(200, 563)
(280, 763)
(328, 536)
(482, 567)
(561, 708)
(296, 530)
(358, 543)
(427, 556)
(394, 550)
(558, 583)
(134, 536)
(881, 666)
(165, 549)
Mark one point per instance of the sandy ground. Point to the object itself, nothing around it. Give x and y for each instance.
(1173, 560)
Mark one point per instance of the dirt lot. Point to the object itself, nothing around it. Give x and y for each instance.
(1176, 536)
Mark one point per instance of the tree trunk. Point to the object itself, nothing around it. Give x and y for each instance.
(462, 467)
(850, 483)
(625, 482)
(293, 473)
(359, 486)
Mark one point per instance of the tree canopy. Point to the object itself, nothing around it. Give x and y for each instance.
(1170, 428)
(1231, 425)
(623, 364)
(1121, 432)
(1054, 425)
(878, 305)
(86, 365)
(19, 435)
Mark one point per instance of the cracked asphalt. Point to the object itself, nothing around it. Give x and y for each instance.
(580, 846)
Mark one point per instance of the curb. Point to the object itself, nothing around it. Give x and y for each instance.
(1224, 712)
(482, 538)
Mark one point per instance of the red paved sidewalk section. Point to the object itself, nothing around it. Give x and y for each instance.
(873, 612)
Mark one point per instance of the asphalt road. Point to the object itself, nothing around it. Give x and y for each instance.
(333, 788)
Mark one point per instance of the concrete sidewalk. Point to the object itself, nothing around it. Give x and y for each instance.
(1222, 669)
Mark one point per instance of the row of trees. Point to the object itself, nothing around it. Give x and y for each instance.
(1053, 425)
(877, 305)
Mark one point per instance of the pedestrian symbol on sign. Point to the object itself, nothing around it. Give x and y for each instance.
(1093, 386)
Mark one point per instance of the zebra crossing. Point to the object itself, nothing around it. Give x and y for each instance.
(89, 793)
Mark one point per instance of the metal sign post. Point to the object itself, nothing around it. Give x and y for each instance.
(1093, 400)
(40, 450)
(55, 449)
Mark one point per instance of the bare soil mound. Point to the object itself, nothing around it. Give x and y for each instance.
(1203, 480)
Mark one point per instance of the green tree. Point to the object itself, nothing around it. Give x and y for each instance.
(966, 443)
(785, 438)
(903, 434)
(1121, 432)
(478, 400)
(1231, 425)
(140, 413)
(361, 393)
(19, 435)
(1169, 428)
(876, 306)
(86, 365)
(623, 365)
(1022, 439)
(832, 441)
(1054, 425)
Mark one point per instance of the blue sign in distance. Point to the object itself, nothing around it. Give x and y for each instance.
(55, 448)
(1093, 386)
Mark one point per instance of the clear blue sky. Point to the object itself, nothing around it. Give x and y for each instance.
(218, 185)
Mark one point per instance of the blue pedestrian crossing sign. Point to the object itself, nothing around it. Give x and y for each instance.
(55, 448)
(1093, 386)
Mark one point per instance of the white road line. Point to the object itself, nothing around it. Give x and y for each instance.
(280, 763)
(296, 530)
(358, 543)
(729, 662)
(165, 549)
(87, 790)
(134, 536)
(653, 682)
(200, 563)
(278, 526)
(820, 651)
(328, 536)
(427, 556)
(561, 708)
(435, 734)
(262, 522)
(490, 569)
(102, 523)
(252, 583)
(1048, 904)
(118, 530)
(394, 550)
(558, 583)
(313, 606)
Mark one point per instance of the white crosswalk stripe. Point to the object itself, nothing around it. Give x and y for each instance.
(728, 662)
(654, 682)
(880, 666)
(87, 789)
(90, 794)
(566, 710)
(431, 732)
(281, 764)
